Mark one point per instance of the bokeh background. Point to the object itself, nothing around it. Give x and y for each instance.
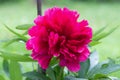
(99, 13)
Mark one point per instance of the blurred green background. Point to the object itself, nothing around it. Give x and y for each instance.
(99, 13)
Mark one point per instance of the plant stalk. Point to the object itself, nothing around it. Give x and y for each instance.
(39, 7)
(39, 12)
(60, 76)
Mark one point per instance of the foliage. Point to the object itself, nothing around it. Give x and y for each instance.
(98, 0)
(92, 69)
(3, 1)
(66, 1)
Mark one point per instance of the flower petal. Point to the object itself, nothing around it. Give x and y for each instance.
(73, 66)
(29, 45)
(43, 58)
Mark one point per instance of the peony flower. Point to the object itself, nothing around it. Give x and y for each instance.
(58, 33)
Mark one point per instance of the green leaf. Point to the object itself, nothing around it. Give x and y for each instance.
(24, 26)
(103, 35)
(40, 70)
(111, 61)
(101, 77)
(93, 43)
(15, 72)
(59, 72)
(84, 69)
(25, 33)
(28, 79)
(109, 69)
(6, 67)
(94, 70)
(19, 35)
(16, 57)
(114, 78)
(99, 31)
(35, 76)
(105, 67)
(53, 62)
(51, 73)
(94, 59)
(73, 78)
(12, 41)
(1, 77)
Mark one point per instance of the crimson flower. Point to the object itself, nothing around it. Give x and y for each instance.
(58, 33)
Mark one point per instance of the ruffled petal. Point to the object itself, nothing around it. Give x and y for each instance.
(84, 54)
(59, 33)
(29, 45)
(43, 58)
(73, 66)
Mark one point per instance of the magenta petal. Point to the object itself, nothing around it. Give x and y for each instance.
(29, 45)
(83, 23)
(53, 44)
(58, 33)
(38, 20)
(84, 55)
(43, 58)
(44, 61)
(73, 66)
(35, 55)
(62, 62)
(33, 31)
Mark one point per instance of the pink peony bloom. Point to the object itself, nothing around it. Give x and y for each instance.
(59, 34)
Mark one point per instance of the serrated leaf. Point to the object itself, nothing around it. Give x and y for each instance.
(15, 72)
(24, 26)
(73, 78)
(19, 35)
(35, 75)
(51, 73)
(1, 77)
(16, 57)
(84, 69)
(6, 67)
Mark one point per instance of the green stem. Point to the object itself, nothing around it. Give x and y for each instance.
(60, 76)
(39, 12)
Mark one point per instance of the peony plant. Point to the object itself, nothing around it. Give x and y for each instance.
(58, 34)
(62, 47)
